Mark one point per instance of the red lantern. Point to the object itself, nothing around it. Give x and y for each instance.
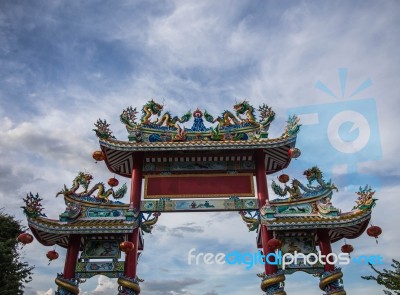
(347, 248)
(52, 255)
(126, 246)
(274, 244)
(98, 155)
(374, 231)
(294, 153)
(113, 182)
(25, 238)
(283, 178)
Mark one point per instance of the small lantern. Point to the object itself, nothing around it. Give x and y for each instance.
(113, 182)
(283, 178)
(126, 246)
(25, 238)
(52, 255)
(347, 248)
(294, 153)
(274, 244)
(374, 231)
(98, 156)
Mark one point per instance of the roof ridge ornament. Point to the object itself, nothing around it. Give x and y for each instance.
(157, 125)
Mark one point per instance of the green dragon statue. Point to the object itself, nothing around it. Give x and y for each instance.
(315, 174)
(149, 109)
(312, 174)
(294, 191)
(252, 222)
(293, 126)
(245, 108)
(170, 121)
(153, 108)
(227, 118)
(147, 225)
(84, 179)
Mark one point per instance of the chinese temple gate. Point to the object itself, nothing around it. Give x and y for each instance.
(219, 167)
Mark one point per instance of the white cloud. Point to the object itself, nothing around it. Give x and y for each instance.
(64, 66)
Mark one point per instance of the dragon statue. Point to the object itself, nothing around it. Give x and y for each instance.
(149, 109)
(170, 121)
(292, 127)
(228, 119)
(153, 108)
(315, 174)
(251, 220)
(147, 224)
(84, 179)
(245, 108)
(33, 207)
(365, 201)
(312, 174)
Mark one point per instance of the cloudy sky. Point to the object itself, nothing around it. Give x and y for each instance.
(64, 64)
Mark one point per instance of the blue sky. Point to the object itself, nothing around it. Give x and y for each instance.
(64, 64)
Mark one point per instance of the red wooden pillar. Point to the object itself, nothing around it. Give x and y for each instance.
(262, 194)
(325, 247)
(136, 192)
(72, 256)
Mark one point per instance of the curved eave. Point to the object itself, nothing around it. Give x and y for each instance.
(50, 232)
(120, 155)
(350, 225)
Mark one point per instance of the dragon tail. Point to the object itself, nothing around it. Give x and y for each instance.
(278, 190)
(208, 117)
(186, 117)
(120, 193)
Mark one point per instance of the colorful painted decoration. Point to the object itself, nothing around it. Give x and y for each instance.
(374, 231)
(274, 244)
(126, 246)
(283, 178)
(113, 182)
(52, 255)
(98, 155)
(294, 153)
(25, 238)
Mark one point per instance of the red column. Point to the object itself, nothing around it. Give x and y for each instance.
(136, 193)
(262, 194)
(325, 247)
(72, 256)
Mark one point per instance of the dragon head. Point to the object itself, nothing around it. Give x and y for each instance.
(154, 107)
(242, 107)
(312, 174)
(84, 179)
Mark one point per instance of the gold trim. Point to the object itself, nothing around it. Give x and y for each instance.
(330, 279)
(67, 286)
(183, 196)
(271, 281)
(128, 284)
